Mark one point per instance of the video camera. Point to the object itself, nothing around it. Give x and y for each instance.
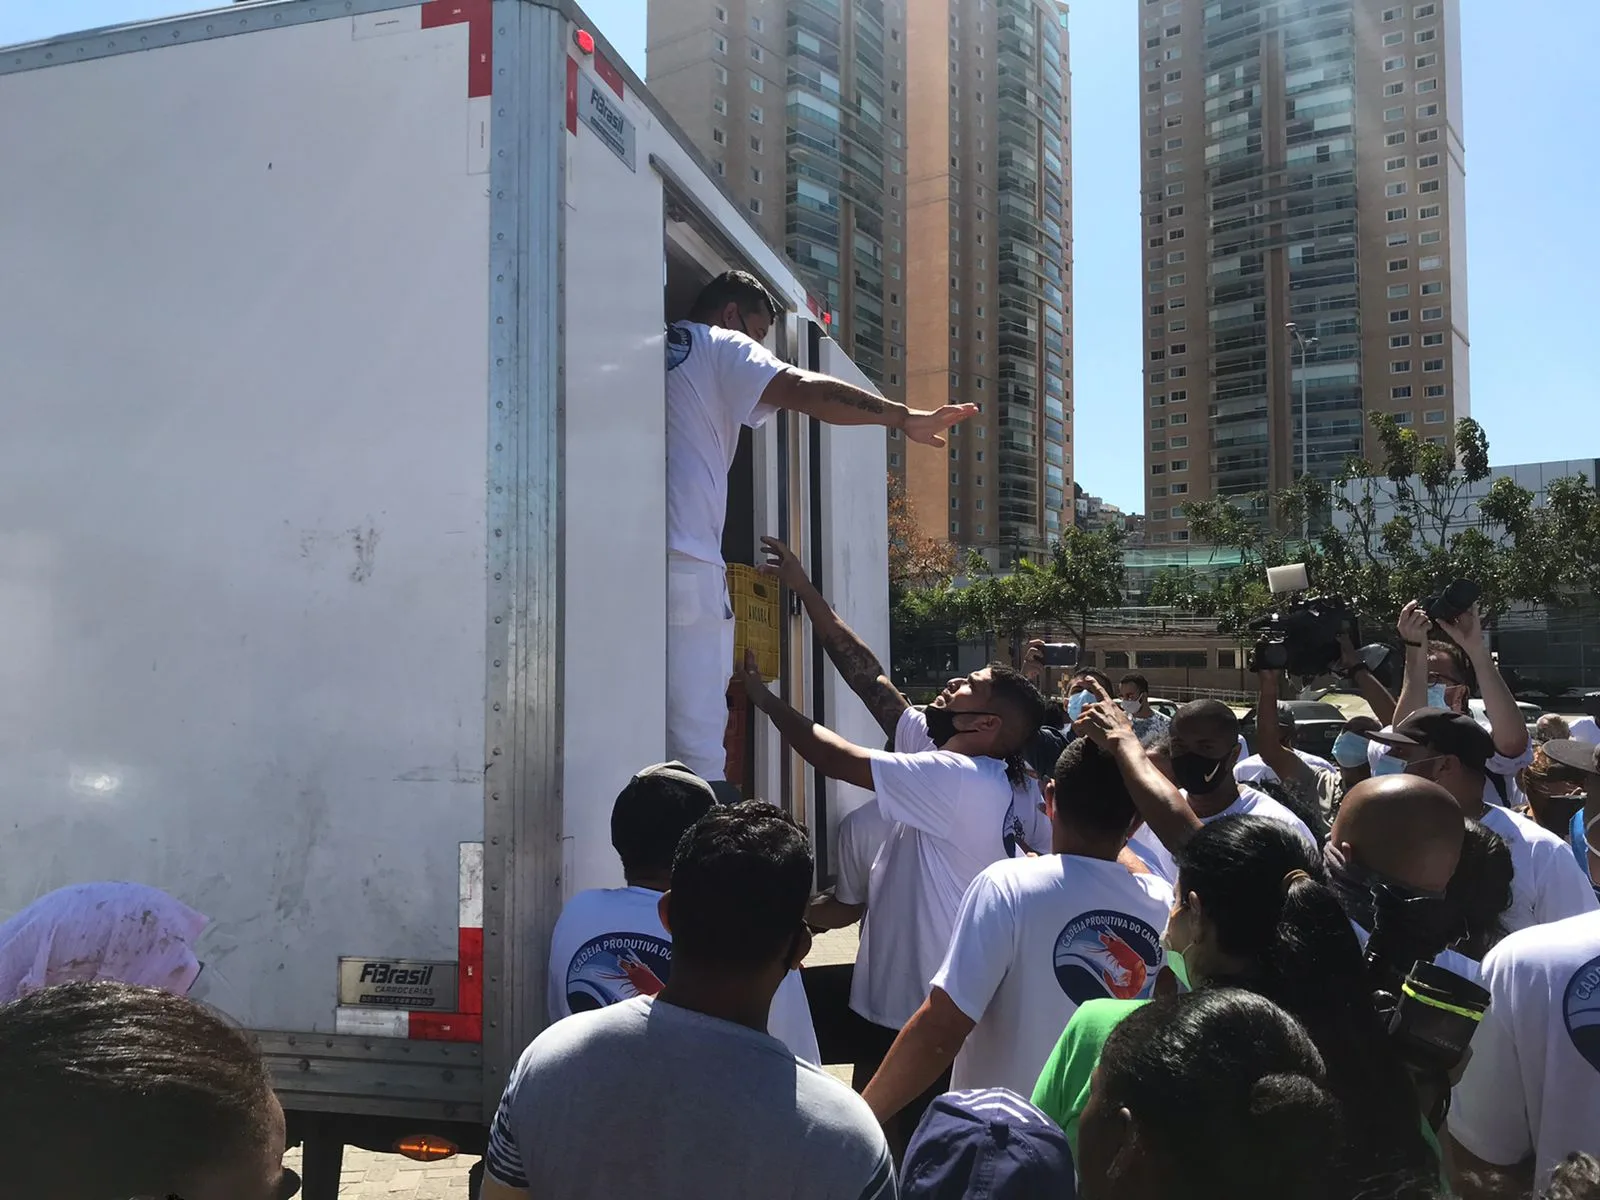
(1303, 639)
(1431, 1013)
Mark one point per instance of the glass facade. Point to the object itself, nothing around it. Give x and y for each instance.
(1281, 175)
(1033, 372)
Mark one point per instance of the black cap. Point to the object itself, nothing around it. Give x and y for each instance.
(1570, 752)
(1443, 730)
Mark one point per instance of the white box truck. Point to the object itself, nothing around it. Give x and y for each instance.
(332, 534)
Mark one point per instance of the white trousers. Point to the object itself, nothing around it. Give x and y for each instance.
(699, 664)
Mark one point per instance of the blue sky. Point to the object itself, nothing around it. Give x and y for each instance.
(1529, 196)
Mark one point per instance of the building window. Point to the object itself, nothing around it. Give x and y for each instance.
(1392, 14)
(1158, 422)
(1394, 189)
(1396, 138)
(755, 174)
(1400, 393)
(757, 84)
(1394, 64)
(1175, 143)
(1433, 288)
(757, 115)
(757, 54)
(722, 14)
(1178, 419)
(1179, 443)
(1395, 114)
(1431, 263)
(1396, 214)
(1399, 341)
(1175, 280)
(1394, 89)
(1424, 61)
(719, 43)
(1434, 416)
(1426, 35)
(1402, 418)
(1433, 314)
(756, 24)
(1424, 111)
(1434, 391)
(721, 167)
(1178, 348)
(1427, 160)
(1157, 401)
(1400, 366)
(1394, 39)
(1433, 339)
(1424, 10)
(1395, 164)
(1178, 372)
(1428, 185)
(719, 137)
(1427, 85)
(1397, 239)
(1433, 364)
(1174, 258)
(1179, 465)
(1428, 212)
(1428, 135)
(719, 105)
(722, 74)
(1437, 441)
(1398, 264)
(1174, 189)
(755, 143)
(1399, 316)
(1158, 376)
(755, 206)
(1158, 446)
(1399, 291)
(1428, 237)
(1158, 469)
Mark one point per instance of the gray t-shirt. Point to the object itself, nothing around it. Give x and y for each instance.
(649, 1099)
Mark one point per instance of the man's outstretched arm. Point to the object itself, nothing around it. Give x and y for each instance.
(822, 748)
(857, 665)
(839, 403)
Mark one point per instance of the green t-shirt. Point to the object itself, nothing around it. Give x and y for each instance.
(1063, 1087)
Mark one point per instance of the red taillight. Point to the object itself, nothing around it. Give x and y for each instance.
(425, 1147)
(585, 41)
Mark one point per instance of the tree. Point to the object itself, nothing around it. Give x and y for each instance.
(922, 634)
(1398, 530)
(915, 559)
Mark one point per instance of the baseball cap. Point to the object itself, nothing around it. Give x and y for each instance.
(1570, 752)
(989, 1144)
(1443, 730)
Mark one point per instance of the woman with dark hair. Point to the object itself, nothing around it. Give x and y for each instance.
(121, 1091)
(1217, 1095)
(1254, 912)
(1480, 891)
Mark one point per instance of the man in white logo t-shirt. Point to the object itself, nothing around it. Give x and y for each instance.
(1035, 938)
(1530, 1094)
(1205, 747)
(720, 378)
(609, 944)
(948, 787)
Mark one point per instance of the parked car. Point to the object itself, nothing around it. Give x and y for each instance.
(1316, 724)
(1167, 708)
(1530, 713)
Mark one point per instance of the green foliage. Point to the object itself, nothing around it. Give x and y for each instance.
(1400, 529)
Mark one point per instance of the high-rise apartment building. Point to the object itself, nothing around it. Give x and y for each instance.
(799, 107)
(911, 157)
(1302, 162)
(989, 273)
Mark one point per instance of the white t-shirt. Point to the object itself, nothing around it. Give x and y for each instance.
(1035, 938)
(1532, 1085)
(1547, 883)
(609, 945)
(861, 835)
(954, 816)
(1159, 859)
(715, 378)
(1254, 769)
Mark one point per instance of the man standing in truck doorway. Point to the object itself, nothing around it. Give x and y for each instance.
(719, 378)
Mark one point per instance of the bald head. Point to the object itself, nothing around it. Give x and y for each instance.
(1403, 827)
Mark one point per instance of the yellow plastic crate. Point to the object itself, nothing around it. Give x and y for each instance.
(756, 602)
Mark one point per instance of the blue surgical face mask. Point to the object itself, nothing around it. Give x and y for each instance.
(1077, 702)
(1350, 750)
(1389, 764)
(1436, 695)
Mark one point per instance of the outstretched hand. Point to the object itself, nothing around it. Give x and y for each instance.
(1414, 624)
(783, 565)
(755, 687)
(1102, 723)
(1466, 630)
(928, 427)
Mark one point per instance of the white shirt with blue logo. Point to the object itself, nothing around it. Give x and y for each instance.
(1035, 938)
(1532, 1085)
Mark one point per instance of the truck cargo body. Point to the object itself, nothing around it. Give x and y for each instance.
(333, 580)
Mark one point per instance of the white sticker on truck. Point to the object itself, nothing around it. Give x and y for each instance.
(602, 112)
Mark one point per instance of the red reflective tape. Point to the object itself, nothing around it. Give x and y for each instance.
(470, 969)
(446, 1027)
(478, 16)
(572, 94)
(609, 73)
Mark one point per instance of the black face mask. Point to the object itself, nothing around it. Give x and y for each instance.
(1414, 920)
(942, 722)
(1198, 774)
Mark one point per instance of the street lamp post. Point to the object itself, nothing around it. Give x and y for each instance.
(1305, 344)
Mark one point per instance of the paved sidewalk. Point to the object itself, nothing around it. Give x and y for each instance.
(370, 1176)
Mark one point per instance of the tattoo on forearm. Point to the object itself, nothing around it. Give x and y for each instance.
(859, 667)
(852, 397)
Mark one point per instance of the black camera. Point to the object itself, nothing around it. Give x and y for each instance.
(1450, 603)
(1303, 639)
(1430, 1013)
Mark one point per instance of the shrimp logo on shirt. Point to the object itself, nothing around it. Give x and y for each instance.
(615, 967)
(679, 342)
(1580, 1009)
(1107, 955)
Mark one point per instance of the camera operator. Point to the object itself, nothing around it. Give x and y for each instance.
(1454, 751)
(1311, 778)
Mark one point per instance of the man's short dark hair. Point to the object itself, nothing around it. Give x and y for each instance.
(1019, 704)
(1097, 675)
(126, 1091)
(740, 884)
(1213, 714)
(1091, 793)
(734, 287)
(651, 815)
(1138, 681)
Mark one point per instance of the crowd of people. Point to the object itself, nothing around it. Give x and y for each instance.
(1103, 952)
